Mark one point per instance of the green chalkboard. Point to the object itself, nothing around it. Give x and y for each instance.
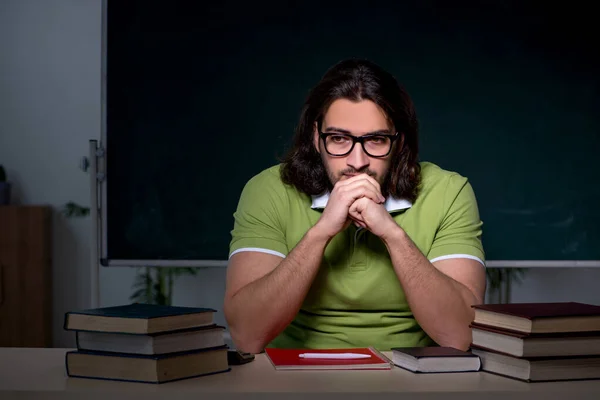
(202, 97)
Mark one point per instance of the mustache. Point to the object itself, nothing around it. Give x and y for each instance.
(351, 170)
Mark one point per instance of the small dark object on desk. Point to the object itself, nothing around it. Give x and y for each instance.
(235, 357)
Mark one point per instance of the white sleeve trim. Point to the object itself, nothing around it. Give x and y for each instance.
(275, 253)
(449, 256)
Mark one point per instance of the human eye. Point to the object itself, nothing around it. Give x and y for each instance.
(377, 139)
(339, 139)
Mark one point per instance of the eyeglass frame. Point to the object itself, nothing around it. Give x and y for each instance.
(359, 139)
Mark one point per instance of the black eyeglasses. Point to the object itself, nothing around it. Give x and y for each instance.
(341, 144)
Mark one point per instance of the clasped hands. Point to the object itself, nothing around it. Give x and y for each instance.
(357, 200)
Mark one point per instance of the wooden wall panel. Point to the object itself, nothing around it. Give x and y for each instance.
(25, 276)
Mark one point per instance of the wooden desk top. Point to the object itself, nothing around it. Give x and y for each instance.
(39, 373)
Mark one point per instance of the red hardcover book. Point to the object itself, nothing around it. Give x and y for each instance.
(294, 359)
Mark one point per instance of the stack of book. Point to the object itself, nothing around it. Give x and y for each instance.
(145, 343)
(538, 341)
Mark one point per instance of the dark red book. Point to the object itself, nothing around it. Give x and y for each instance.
(539, 317)
(435, 359)
(292, 359)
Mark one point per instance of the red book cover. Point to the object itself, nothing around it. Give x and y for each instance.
(290, 359)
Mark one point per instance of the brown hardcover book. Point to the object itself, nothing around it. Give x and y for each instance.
(520, 344)
(539, 317)
(146, 368)
(540, 369)
(435, 359)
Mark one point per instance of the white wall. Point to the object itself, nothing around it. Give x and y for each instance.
(50, 52)
(559, 284)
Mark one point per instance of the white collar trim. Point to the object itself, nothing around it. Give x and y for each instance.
(392, 204)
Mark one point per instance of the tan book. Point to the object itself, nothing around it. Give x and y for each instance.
(539, 317)
(539, 369)
(153, 343)
(521, 344)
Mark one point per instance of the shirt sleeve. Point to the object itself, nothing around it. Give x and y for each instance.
(459, 234)
(258, 218)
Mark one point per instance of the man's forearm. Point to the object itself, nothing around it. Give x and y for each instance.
(441, 305)
(261, 310)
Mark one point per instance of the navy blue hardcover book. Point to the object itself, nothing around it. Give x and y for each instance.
(138, 318)
(146, 368)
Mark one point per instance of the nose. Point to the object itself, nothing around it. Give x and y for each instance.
(357, 158)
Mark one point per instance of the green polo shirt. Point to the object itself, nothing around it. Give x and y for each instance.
(356, 299)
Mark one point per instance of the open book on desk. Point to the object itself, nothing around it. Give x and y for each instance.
(323, 359)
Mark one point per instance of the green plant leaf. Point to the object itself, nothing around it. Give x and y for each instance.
(72, 209)
(501, 280)
(138, 296)
(155, 284)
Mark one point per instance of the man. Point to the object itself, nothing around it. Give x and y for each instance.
(351, 242)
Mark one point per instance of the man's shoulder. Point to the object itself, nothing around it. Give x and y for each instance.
(270, 175)
(268, 182)
(435, 179)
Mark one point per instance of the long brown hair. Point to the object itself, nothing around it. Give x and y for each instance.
(356, 80)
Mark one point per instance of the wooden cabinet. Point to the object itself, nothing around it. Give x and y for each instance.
(25, 276)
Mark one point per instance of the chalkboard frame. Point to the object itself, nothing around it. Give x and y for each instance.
(103, 201)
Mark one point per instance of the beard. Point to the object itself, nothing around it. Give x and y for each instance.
(335, 177)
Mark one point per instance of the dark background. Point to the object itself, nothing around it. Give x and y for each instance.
(202, 97)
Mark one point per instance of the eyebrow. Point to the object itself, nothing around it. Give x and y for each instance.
(347, 132)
